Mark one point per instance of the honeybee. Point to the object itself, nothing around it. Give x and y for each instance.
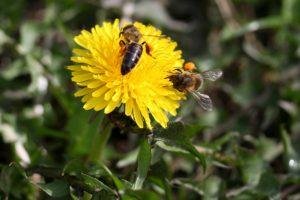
(131, 48)
(185, 80)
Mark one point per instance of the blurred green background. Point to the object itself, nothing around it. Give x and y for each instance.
(251, 140)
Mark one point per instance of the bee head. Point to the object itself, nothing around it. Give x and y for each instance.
(130, 33)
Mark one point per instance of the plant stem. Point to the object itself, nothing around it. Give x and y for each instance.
(100, 140)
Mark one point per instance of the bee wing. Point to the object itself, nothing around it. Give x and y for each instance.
(212, 75)
(204, 100)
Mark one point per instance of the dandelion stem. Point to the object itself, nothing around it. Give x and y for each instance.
(100, 141)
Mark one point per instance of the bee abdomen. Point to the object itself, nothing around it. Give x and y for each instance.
(131, 57)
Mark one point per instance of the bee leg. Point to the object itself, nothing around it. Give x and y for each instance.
(120, 34)
(148, 49)
(123, 47)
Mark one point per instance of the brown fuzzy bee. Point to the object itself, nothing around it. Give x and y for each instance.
(131, 48)
(190, 82)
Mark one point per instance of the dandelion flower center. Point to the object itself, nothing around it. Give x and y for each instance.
(145, 92)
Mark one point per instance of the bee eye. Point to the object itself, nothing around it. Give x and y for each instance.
(186, 80)
(180, 78)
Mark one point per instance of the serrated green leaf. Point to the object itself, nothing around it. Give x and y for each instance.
(74, 167)
(129, 159)
(173, 148)
(116, 180)
(143, 162)
(95, 184)
(173, 137)
(83, 131)
(251, 166)
(56, 188)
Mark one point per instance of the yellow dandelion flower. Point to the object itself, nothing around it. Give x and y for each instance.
(143, 92)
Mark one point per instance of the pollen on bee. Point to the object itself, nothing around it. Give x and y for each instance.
(189, 66)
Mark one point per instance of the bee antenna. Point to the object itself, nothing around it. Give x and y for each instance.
(178, 70)
(160, 36)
